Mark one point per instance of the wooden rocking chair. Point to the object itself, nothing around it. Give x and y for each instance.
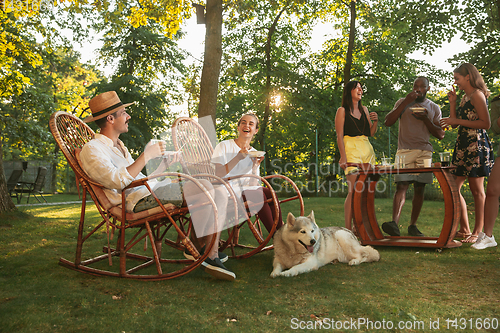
(190, 138)
(164, 224)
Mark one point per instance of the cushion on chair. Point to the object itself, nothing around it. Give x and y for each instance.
(117, 211)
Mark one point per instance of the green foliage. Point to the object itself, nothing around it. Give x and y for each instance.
(288, 82)
(191, 85)
(415, 25)
(301, 89)
(168, 14)
(148, 69)
(59, 83)
(17, 49)
(480, 26)
(309, 85)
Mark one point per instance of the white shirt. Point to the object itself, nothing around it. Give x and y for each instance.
(106, 165)
(224, 152)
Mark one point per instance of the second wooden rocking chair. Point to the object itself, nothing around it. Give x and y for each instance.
(190, 138)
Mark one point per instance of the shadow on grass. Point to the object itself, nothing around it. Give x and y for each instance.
(409, 285)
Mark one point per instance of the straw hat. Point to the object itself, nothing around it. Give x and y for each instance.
(103, 105)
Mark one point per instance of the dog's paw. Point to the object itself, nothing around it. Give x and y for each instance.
(277, 269)
(289, 273)
(354, 262)
(275, 274)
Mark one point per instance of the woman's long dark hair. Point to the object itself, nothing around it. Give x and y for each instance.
(495, 99)
(347, 98)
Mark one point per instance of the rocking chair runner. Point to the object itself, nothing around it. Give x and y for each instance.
(163, 224)
(191, 139)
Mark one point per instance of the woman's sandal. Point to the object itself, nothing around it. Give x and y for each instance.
(470, 239)
(462, 235)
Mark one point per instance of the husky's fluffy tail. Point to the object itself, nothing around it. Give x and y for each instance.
(367, 252)
(370, 254)
(355, 253)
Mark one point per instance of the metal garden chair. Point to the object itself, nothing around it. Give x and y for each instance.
(35, 187)
(13, 182)
(190, 138)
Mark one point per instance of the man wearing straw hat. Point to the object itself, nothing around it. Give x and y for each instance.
(106, 160)
(414, 147)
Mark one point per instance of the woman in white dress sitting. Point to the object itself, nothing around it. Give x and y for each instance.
(232, 158)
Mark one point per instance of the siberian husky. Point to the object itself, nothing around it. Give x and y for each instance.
(301, 246)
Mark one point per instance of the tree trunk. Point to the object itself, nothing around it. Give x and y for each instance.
(267, 111)
(53, 171)
(209, 85)
(6, 203)
(350, 47)
(53, 181)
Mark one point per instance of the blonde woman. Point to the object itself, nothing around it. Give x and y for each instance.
(354, 125)
(473, 154)
(486, 238)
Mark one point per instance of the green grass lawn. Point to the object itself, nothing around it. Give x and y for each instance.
(408, 286)
(51, 198)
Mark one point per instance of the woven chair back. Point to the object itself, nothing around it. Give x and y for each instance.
(71, 133)
(191, 139)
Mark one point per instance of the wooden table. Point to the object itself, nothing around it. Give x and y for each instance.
(366, 220)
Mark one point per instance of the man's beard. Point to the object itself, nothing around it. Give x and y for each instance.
(420, 99)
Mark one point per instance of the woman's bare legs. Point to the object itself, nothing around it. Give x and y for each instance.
(477, 188)
(492, 196)
(464, 219)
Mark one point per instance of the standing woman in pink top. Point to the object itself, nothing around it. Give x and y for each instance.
(354, 125)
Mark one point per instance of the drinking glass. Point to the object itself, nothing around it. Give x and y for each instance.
(400, 162)
(445, 158)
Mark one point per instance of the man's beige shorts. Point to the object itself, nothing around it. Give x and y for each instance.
(414, 158)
